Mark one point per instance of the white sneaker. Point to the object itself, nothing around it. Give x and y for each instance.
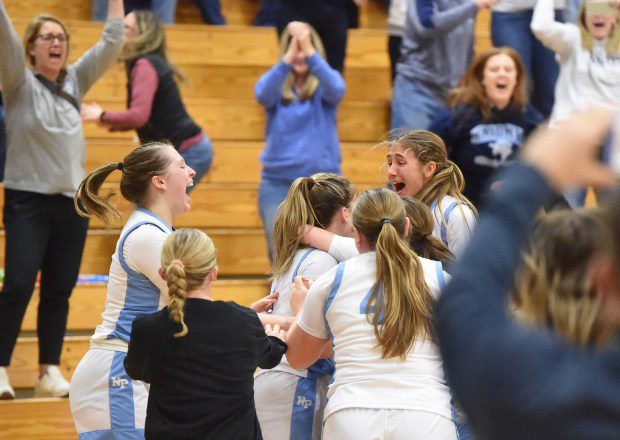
(52, 384)
(6, 391)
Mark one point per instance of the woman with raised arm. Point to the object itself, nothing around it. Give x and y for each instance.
(199, 355)
(588, 53)
(45, 159)
(376, 310)
(300, 96)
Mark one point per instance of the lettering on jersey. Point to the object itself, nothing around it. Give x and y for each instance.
(501, 142)
(303, 401)
(119, 382)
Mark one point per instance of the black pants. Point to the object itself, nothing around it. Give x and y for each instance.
(330, 19)
(394, 51)
(43, 232)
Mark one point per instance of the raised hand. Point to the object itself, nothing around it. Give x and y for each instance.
(265, 304)
(567, 154)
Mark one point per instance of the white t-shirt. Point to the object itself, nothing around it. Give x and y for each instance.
(139, 291)
(311, 263)
(586, 78)
(336, 308)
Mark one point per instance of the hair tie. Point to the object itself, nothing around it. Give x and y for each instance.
(310, 182)
(177, 262)
(385, 220)
(119, 166)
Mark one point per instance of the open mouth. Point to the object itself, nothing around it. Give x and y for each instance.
(398, 187)
(55, 55)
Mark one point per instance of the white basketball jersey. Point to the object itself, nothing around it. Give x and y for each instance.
(310, 263)
(131, 292)
(336, 308)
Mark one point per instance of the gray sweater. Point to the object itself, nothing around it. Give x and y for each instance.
(438, 43)
(46, 147)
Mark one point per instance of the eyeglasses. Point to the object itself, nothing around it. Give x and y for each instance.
(62, 38)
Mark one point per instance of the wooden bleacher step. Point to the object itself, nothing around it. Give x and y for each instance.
(88, 301)
(244, 120)
(36, 419)
(240, 252)
(238, 163)
(207, 80)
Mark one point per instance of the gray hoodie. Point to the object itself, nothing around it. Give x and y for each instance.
(438, 43)
(46, 148)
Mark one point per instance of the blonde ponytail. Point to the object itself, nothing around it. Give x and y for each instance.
(402, 315)
(187, 258)
(310, 201)
(176, 289)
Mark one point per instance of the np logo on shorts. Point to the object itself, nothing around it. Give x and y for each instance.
(303, 401)
(119, 382)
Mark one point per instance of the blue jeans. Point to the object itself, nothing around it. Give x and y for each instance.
(199, 157)
(210, 11)
(270, 194)
(266, 15)
(513, 29)
(164, 9)
(412, 107)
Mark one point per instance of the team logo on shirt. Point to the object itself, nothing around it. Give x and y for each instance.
(119, 382)
(303, 402)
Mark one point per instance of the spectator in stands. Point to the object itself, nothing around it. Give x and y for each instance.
(300, 95)
(165, 10)
(156, 110)
(436, 49)
(397, 16)
(588, 53)
(510, 26)
(488, 119)
(330, 18)
(199, 355)
(552, 286)
(45, 164)
(522, 383)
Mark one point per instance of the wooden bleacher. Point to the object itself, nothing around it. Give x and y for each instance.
(221, 65)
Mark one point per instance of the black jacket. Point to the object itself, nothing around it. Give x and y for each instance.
(202, 384)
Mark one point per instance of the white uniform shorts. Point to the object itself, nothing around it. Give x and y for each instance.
(387, 424)
(105, 402)
(289, 406)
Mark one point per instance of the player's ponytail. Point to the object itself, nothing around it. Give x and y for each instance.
(137, 169)
(400, 304)
(420, 237)
(310, 201)
(187, 258)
